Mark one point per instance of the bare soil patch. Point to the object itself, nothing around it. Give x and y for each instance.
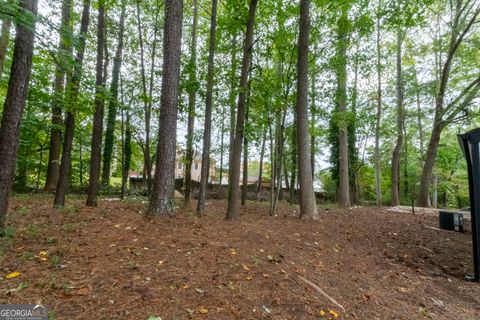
(112, 262)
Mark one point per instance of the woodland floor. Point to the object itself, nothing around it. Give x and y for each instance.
(113, 263)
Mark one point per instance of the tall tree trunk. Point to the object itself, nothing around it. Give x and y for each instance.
(207, 132)
(80, 160)
(22, 175)
(14, 104)
(147, 94)
(285, 173)
(428, 165)
(64, 51)
(435, 192)
(352, 136)
(234, 172)
(71, 97)
(294, 159)
(279, 176)
(222, 148)
(127, 153)
(308, 204)
(162, 200)
(113, 102)
(147, 112)
(278, 156)
(400, 118)
(231, 99)
(421, 134)
(378, 174)
(312, 125)
(96, 149)
(39, 169)
(406, 188)
(192, 101)
(4, 39)
(272, 169)
(260, 169)
(245, 159)
(122, 159)
(341, 101)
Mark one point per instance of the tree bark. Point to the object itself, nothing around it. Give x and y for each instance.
(272, 169)
(127, 153)
(245, 159)
(395, 188)
(231, 99)
(113, 102)
(96, 149)
(192, 101)
(312, 126)
(294, 159)
(260, 169)
(278, 155)
(22, 174)
(147, 95)
(308, 204)
(419, 114)
(71, 97)
(341, 101)
(378, 174)
(234, 172)
(4, 39)
(222, 148)
(162, 200)
(428, 165)
(64, 50)
(15, 103)
(352, 136)
(207, 132)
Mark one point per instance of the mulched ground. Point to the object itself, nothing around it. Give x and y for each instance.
(113, 263)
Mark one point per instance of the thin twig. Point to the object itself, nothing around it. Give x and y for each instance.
(323, 293)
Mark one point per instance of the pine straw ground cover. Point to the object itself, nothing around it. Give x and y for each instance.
(113, 263)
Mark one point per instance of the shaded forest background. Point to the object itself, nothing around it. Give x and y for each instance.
(402, 77)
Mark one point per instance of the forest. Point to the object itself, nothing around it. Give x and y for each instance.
(209, 122)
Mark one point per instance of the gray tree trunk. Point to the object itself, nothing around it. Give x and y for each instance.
(260, 169)
(395, 188)
(113, 102)
(71, 99)
(207, 133)
(245, 160)
(308, 205)
(64, 51)
(378, 174)
(147, 105)
(231, 99)
(97, 130)
(192, 101)
(341, 100)
(234, 172)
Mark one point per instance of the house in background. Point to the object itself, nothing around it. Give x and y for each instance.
(136, 180)
(180, 165)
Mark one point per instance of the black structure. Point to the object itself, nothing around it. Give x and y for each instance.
(470, 144)
(451, 220)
